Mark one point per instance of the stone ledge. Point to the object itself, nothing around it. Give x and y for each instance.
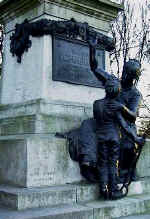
(61, 212)
(137, 204)
(40, 116)
(115, 209)
(105, 10)
(11, 9)
(38, 106)
(19, 199)
(102, 9)
(25, 198)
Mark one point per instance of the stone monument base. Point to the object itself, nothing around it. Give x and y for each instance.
(27, 140)
(36, 160)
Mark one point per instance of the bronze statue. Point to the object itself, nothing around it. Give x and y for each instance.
(98, 142)
(128, 102)
(108, 123)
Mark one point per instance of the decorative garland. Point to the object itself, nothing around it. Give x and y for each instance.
(20, 40)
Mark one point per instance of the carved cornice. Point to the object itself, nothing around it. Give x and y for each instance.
(12, 8)
(101, 9)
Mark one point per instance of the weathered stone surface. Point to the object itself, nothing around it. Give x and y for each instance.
(101, 11)
(49, 162)
(18, 125)
(25, 198)
(87, 191)
(33, 79)
(139, 187)
(41, 116)
(118, 208)
(141, 216)
(61, 212)
(137, 204)
(143, 166)
(36, 160)
(13, 161)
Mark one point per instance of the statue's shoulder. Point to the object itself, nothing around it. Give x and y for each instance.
(135, 91)
(98, 105)
(97, 102)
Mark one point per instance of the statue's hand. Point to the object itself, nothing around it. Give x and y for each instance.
(115, 106)
(92, 42)
(140, 140)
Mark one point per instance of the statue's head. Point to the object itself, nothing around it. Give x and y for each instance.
(112, 87)
(131, 72)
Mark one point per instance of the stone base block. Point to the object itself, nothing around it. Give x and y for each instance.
(36, 160)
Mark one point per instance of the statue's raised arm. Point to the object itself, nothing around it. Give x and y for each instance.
(100, 73)
(129, 110)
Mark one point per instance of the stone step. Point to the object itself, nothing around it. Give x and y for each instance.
(24, 198)
(131, 205)
(60, 212)
(137, 216)
(135, 204)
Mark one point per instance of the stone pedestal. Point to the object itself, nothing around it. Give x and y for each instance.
(34, 161)
(33, 106)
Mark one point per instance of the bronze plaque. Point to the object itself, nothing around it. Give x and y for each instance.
(71, 62)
